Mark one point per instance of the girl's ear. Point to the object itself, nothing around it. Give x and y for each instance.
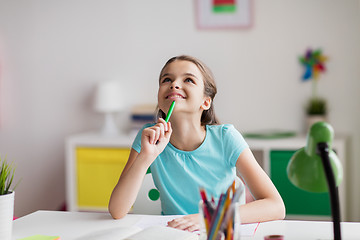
(206, 104)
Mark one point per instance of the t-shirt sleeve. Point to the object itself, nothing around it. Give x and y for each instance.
(234, 143)
(137, 141)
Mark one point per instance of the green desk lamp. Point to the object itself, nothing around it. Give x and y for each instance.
(316, 168)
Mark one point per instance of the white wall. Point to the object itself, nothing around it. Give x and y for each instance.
(55, 51)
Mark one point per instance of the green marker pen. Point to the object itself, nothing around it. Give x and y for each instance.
(170, 111)
(169, 114)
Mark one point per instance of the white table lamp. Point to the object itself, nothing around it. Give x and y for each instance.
(108, 100)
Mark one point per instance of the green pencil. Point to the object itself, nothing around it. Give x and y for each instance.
(170, 111)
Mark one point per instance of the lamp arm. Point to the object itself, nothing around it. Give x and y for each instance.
(323, 151)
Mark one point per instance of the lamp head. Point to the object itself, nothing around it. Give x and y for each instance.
(108, 100)
(108, 97)
(305, 169)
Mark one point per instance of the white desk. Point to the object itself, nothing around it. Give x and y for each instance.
(71, 225)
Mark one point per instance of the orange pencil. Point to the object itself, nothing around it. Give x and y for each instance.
(229, 230)
(233, 187)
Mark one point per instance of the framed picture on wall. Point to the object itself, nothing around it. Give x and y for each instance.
(218, 14)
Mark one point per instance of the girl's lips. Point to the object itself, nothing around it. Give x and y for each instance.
(174, 96)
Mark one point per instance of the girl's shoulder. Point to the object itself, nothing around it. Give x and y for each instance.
(222, 131)
(221, 128)
(228, 135)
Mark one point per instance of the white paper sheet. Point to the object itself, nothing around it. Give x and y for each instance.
(155, 220)
(248, 230)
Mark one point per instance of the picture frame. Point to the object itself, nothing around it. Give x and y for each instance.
(224, 14)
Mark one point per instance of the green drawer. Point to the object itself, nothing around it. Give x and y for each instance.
(297, 201)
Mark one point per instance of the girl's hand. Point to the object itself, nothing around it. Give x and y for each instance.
(188, 223)
(154, 139)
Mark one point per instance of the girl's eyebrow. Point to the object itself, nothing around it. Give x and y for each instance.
(185, 74)
(165, 75)
(190, 74)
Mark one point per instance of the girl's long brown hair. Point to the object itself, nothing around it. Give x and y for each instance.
(208, 117)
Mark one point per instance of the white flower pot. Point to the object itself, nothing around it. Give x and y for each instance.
(6, 215)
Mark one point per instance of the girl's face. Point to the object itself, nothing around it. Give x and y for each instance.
(183, 82)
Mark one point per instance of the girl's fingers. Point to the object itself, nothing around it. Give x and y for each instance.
(193, 227)
(176, 223)
(189, 223)
(151, 134)
(161, 120)
(164, 129)
(184, 223)
(157, 135)
(157, 132)
(169, 131)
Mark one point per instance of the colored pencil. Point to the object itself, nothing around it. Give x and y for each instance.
(220, 221)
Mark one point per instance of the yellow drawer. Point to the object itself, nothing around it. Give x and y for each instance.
(98, 170)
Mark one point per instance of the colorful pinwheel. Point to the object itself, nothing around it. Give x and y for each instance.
(313, 62)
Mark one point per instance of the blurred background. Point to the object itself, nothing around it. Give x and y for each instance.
(53, 53)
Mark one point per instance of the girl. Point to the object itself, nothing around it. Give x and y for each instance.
(192, 151)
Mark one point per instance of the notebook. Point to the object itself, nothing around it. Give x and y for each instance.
(163, 233)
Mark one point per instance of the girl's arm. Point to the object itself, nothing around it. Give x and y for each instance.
(127, 188)
(268, 204)
(153, 141)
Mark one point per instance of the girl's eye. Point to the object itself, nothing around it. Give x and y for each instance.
(166, 80)
(189, 80)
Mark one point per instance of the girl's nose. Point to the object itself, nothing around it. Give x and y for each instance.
(175, 85)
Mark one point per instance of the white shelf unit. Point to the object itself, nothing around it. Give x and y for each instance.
(90, 142)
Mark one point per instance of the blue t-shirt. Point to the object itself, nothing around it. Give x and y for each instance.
(178, 174)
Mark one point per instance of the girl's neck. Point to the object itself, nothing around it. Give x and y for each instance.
(187, 135)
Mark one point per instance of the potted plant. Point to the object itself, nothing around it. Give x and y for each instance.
(316, 107)
(7, 172)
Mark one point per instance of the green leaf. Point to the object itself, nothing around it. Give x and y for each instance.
(7, 173)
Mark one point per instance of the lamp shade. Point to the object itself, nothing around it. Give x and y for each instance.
(305, 169)
(108, 97)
